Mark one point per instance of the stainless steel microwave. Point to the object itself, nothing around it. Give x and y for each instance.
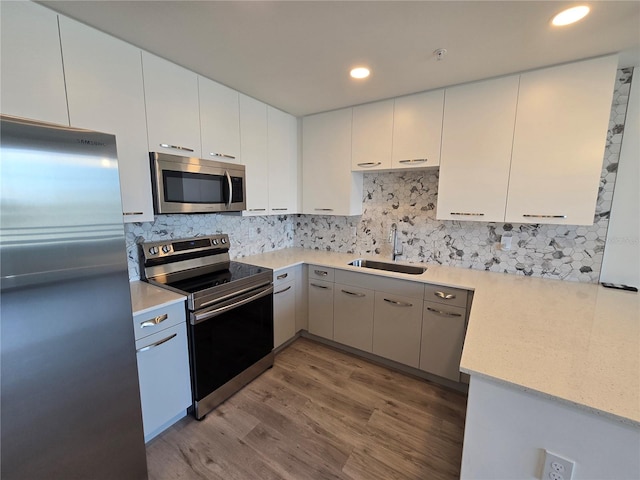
(193, 185)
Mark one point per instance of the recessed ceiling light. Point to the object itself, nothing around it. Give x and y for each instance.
(360, 72)
(570, 15)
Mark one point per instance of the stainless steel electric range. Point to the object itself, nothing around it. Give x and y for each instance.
(229, 313)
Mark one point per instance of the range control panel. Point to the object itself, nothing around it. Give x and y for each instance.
(198, 245)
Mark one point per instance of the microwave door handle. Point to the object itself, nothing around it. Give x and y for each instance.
(230, 188)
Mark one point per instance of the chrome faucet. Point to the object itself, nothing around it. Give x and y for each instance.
(393, 238)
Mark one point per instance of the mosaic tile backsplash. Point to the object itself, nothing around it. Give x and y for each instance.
(409, 199)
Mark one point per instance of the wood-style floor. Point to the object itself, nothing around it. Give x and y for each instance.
(319, 414)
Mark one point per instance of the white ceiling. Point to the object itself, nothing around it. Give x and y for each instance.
(295, 55)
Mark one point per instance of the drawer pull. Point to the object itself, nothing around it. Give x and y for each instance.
(399, 304)
(176, 147)
(544, 216)
(133, 213)
(156, 344)
(323, 209)
(415, 160)
(445, 296)
(284, 275)
(322, 273)
(369, 164)
(257, 209)
(354, 294)
(466, 214)
(444, 314)
(319, 286)
(154, 321)
(283, 290)
(223, 155)
(279, 209)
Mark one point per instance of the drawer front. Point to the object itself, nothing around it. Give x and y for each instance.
(284, 275)
(380, 283)
(163, 373)
(148, 323)
(317, 272)
(455, 297)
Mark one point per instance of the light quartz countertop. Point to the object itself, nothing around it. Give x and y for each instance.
(575, 342)
(146, 297)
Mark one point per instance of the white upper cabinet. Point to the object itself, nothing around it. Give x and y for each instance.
(171, 96)
(31, 63)
(105, 93)
(282, 162)
(328, 186)
(477, 135)
(219, 121)
(559, 140)
(253, 146)
(417, 128)
(372, 136)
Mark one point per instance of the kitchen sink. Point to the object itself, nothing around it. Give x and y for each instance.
(389, 267)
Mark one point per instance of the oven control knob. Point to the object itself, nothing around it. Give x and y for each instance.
(223, 240)
(153, 250)
(166, 248)
(215, 242)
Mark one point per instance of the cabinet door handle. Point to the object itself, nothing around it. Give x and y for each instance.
(156, 344)
(223, 155)
(369, 164)
(444, 314)
(415, 160)
(467, 214)
(154, 321)
(284, 275)
(176, 147)
(322, 273)
(354, 294)
(133, 213)
(399, 304)
(323, 209)
(257, 209)
(319, 286)
(543, 216)
(283, 290)
(279, 209)
(445, 296)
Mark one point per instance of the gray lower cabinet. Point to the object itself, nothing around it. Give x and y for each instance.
(284, 312)
(397, 323)
(321, 307)
(353, 316)
(443, 330)
(163, 367)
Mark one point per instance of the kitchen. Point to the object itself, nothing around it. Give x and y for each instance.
(408, 198)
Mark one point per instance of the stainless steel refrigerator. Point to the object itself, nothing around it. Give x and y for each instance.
(70, 404)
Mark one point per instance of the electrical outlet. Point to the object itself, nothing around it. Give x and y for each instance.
(505, 242)
(556, 467)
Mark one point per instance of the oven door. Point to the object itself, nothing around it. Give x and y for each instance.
(225, 340)
(193, 185)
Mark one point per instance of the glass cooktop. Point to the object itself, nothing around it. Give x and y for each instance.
(236, 271)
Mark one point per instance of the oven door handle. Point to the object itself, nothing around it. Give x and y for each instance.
(201, 317)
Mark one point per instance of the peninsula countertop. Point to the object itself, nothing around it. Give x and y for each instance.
(576, 342)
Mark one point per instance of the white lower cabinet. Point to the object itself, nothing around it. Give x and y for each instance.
(353, 316)
(397, 324)
(321, 307)
(284, 311)
(443, 330)
(163, 369)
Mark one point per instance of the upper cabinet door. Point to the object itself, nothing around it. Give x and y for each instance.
(328, 186)
(417, 128)
(477, 135)
(171, 97)
(31, 63)
(371, 136)
(253, 144)
(559, 140)
(283, 162)
(219, 121)
(105, 93)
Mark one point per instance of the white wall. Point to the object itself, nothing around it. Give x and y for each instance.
(507, 431)
(621, 262)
